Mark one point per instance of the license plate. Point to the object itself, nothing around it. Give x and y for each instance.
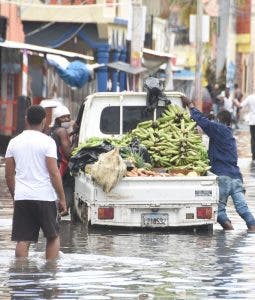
(154, 220)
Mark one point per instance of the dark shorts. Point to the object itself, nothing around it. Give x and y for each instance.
(30, 216)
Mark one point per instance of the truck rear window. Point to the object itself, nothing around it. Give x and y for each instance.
(132, 115)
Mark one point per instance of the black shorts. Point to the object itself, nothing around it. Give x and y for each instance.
(30, 216)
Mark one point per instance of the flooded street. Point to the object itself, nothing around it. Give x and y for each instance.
(105, 264)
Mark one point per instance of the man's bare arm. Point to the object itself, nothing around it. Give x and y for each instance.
(56, 182)
(65, 142)
(10, 174)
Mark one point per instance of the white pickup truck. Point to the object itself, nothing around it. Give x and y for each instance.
(139, 202)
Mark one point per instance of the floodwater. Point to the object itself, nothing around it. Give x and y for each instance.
(105, 264)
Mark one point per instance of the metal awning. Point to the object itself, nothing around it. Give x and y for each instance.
(122, 66)
(152, 59)
(150, 52)
(40, 49)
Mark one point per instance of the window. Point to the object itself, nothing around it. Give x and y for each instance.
(132, 115)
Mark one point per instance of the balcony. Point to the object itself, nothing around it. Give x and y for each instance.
(102, 11)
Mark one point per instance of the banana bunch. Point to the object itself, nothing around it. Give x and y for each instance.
(173, 142)
(90, 143)
(120, 142)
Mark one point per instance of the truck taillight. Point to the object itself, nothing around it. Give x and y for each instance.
(105, 213)
(204, 212)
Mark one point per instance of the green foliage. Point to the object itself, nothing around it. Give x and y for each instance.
(222, 78)
(210, 72)
(188, 7)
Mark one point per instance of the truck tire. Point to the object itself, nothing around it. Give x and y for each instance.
(204, 228)
(84, 213)
(79, 212)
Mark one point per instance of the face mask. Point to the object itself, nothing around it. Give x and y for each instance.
(65, 125)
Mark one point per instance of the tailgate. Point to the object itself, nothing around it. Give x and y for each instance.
(159, 190)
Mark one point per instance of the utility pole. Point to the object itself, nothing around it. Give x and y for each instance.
(199, 54)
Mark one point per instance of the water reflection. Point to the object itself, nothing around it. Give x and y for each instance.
(233, 278)
(98, 264)
(27, 277)
(107, 264)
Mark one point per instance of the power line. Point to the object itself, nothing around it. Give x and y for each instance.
(39, 29)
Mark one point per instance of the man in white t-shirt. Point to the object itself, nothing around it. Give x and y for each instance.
(249, 102)
(35, 184)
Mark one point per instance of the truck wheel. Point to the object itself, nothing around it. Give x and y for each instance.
(79, 212)
(205, 228)
(84, 213)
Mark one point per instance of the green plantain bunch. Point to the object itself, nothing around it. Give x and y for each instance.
(173, 141)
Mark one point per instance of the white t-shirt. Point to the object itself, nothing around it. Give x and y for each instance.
(249, 102)
(228, 104)
(29, 150)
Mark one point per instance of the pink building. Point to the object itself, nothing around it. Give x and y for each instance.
(10, 68)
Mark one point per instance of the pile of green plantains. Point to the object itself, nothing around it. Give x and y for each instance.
(172, 141)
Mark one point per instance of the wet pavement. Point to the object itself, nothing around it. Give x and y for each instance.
(105, 264)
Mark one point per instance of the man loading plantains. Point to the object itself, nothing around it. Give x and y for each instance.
(222, 153)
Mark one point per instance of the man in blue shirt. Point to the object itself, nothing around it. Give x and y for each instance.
(222, 153)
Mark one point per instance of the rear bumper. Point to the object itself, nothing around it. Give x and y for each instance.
(163, 217)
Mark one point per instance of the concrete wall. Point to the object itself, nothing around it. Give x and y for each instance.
(14, 24)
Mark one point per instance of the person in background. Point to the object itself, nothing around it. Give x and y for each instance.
(59, 132)
(214, 92)
(33, 179)
(238, 96)
(237, 93)
(222, 154)
(249, 102)
(226, 100)
(230, 104)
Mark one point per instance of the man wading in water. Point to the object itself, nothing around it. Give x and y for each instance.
(32, 177)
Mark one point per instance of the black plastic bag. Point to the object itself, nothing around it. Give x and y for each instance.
(142, 150)
(154, 93)
(87, 156)
(136, 147)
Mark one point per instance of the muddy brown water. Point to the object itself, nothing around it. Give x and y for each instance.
(106, 264)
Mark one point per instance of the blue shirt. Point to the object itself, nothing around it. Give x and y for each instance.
(222, 150)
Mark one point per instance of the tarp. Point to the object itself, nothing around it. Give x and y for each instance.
(75, 73)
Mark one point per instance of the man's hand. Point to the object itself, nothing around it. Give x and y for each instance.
(62, 207)
(57, 183)
(186, 102)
